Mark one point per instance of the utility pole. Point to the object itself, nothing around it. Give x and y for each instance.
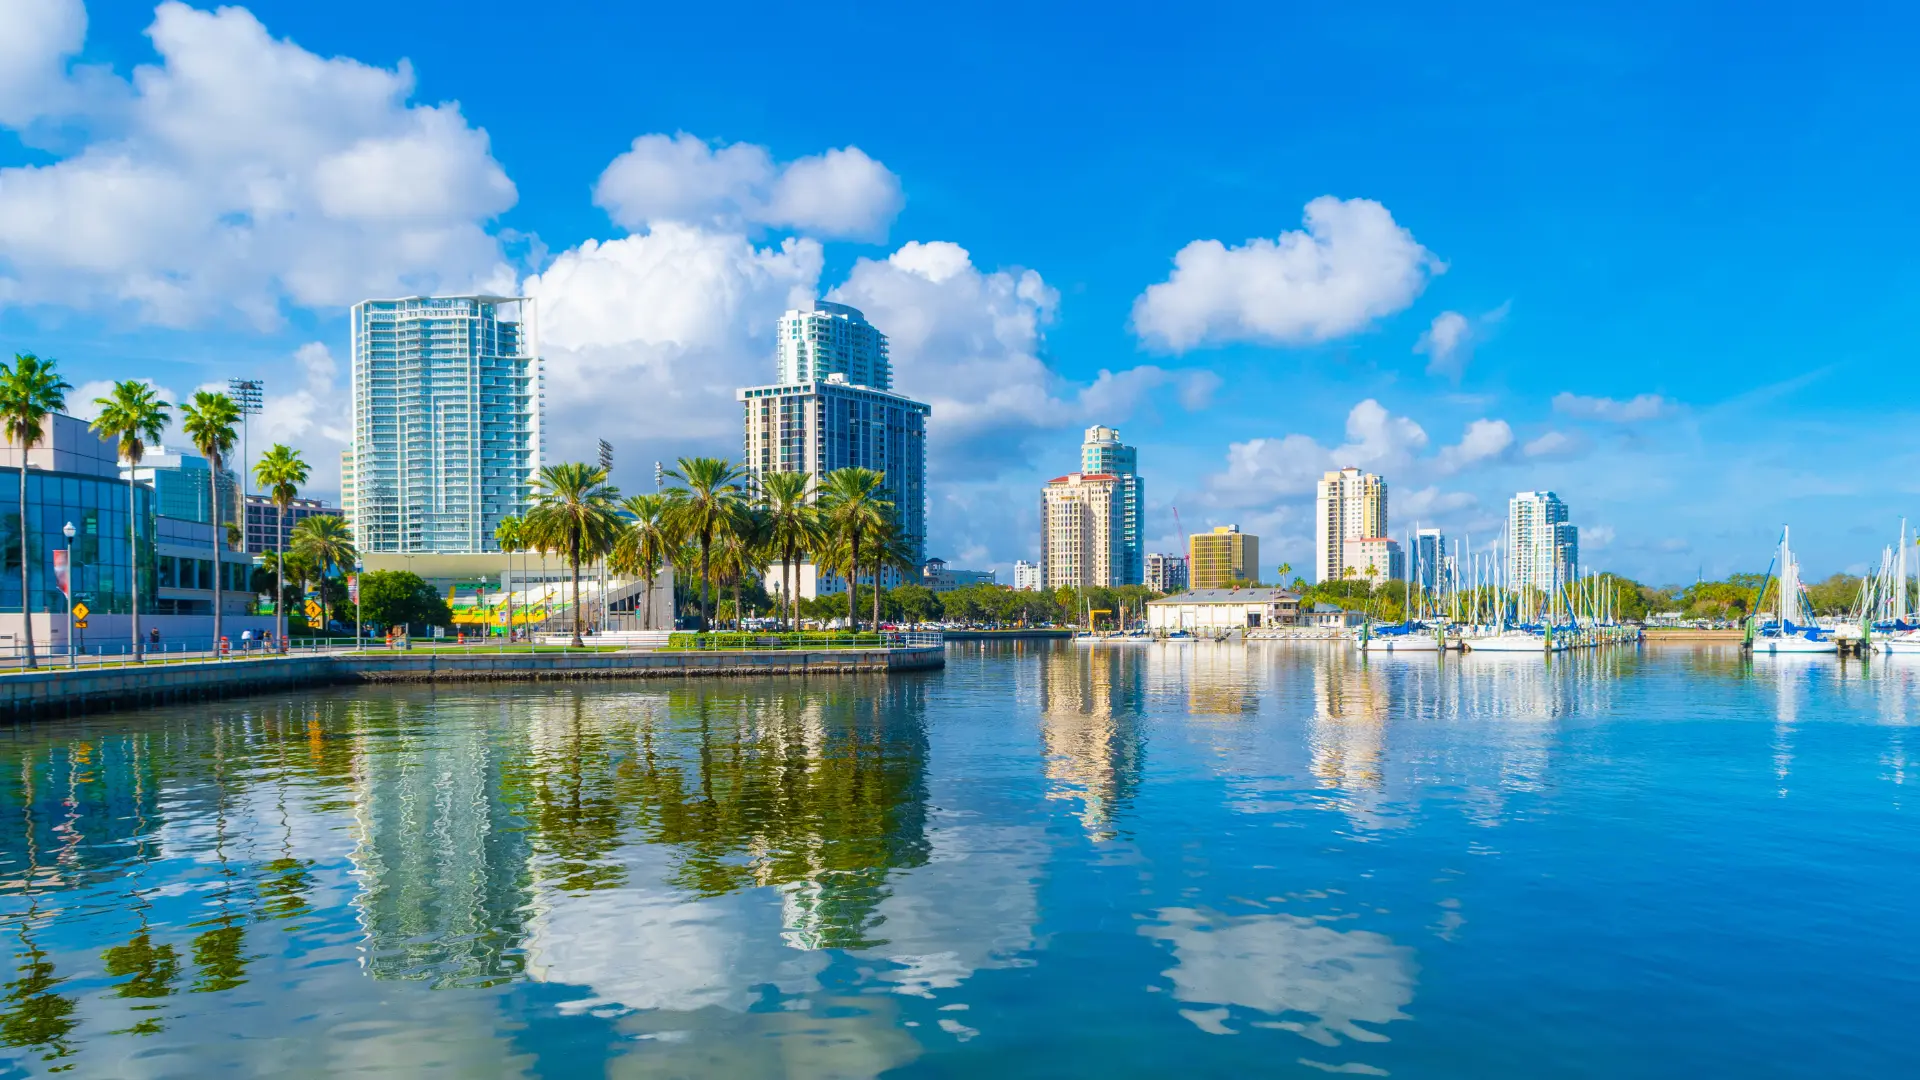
(250, 396)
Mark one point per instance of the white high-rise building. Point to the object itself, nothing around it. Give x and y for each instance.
(1349, 506)
(834, 407)
(1026, 576)
(446, 421)
(832, 339)
(1542, 547)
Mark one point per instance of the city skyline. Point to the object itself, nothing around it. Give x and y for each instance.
(1401, 321)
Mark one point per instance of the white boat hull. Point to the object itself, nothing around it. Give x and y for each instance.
(1525, 643)
(1794, 645)
(1402, 643)
(1902, 644)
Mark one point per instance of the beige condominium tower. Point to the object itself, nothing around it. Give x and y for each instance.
(1351, 506)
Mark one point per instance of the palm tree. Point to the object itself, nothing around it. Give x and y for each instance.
(743, 543)
(281, 472)
(793, 525)
(647, 544)
(133, 416)
(510, 534)
(855, 506)
(890, 552)
(29, 390)
(711, 488)
(208, 421)
(573, 512)
(326, 540)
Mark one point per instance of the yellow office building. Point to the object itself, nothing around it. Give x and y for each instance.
(1222, 559)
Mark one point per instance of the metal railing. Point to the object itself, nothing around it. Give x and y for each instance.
(737, 641)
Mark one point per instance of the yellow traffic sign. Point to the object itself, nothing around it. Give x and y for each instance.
(80, 612)
(313, 610)
(79, 624)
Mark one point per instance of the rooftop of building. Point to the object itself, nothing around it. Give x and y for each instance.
(1074, 478)
(1256, 595)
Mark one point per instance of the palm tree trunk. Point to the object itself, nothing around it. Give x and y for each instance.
(876, 594)
(853, 587)
(706, 545)
(786, 589)
(213, 503)
(573, 554)
(280, 577)
(26, 604)
(133, 557)
(739, 623)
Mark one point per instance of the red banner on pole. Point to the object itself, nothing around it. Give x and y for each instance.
(353, 588)
(60, 572)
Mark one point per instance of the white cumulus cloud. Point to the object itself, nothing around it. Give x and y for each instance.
(1552, 444)
(239, 173)
(1449, 341)
(1640, 407)
(1483, 441)
(969, 342)
(1351, 264)
(682, 178)
(646, 337)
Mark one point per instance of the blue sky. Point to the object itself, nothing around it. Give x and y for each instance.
(1655, 260)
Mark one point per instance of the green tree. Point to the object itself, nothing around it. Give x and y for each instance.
(708, 492)
(327, 541)
(918, 603)
(402, 598)
(132, 416)
(573, 512)
(854, 507)
(281, 471)
(742, 551)
(646, 545)
(30, 389)
(793, 525)
(208, 421)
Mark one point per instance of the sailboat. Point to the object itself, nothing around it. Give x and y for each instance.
(1788, 635)
(1412, 635)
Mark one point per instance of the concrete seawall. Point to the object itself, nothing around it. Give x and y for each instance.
(65, 692)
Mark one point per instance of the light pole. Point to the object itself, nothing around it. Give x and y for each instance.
(359, 571)
(67, 531)
(249, 395)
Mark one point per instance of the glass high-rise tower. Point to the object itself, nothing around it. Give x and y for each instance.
(446, 421)
(1103, 454)
(835, 407)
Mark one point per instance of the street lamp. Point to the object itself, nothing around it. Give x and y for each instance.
(359, 571)
(67, 531)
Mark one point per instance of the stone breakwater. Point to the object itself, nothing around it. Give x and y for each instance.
(65, 692)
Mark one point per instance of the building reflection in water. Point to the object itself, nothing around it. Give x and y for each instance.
(1090, 731)
(445, 850)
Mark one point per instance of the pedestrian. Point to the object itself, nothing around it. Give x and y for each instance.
(246, 640)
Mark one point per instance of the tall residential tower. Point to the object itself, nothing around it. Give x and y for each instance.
(1103, 454)
(834, 407)
(1542, 547)
(446, 421)
(1350, 506)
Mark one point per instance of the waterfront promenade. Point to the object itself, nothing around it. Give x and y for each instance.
(62, 691)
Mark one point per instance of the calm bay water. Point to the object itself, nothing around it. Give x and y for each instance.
(1200, 860)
